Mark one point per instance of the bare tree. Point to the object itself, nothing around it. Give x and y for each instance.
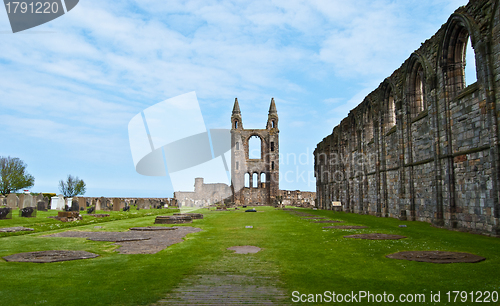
(72, 186)
(13, 175)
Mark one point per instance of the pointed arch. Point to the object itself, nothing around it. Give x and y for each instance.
(418, 78)
(388, 105)
(453, 51)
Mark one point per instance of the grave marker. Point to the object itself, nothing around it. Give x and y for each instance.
(116, 204)
(12, 200)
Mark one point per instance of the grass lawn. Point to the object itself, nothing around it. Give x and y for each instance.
(302, 256)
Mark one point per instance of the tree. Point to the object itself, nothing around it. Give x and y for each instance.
(13, 175)
(72, 186)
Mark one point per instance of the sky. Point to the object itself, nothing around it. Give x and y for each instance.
(70, 87)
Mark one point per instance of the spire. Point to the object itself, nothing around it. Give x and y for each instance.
(272, 118)
(272, 108)
(236, 107)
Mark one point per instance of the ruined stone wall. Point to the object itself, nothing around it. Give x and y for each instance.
(423, 145)
(298, 198)
(255, 181)
(204, 194)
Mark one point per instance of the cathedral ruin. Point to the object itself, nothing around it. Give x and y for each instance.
(423, 145)
(255, 175)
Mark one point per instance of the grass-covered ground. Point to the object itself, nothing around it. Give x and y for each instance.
(302, 256)
(42, 223)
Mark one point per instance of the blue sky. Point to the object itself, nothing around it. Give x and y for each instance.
(69, 88)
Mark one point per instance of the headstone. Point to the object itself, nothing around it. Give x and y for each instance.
(69, 201)
(20, 203)
(82, 202)
(98, 204)
(74, 205)
(104, 203)
(2, 200)
(57, 203)
(116, 204)
(5, 213)
(38, 198)
(53, 202)
(12, 200)
(27, 201)
(40, 205)
(27, 212)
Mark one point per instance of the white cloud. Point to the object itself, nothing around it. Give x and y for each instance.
(104, 62)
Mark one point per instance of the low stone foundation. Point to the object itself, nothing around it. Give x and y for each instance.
(173, 219)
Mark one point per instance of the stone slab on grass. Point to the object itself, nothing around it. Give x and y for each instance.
(244, 249)
(50, 256)
(15, 229)
(346, 227)
(376, 236)
(329, 221)
(136, 242)
(437, 257)
(152, 228)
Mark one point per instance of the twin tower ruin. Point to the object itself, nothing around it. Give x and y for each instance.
(254, 169)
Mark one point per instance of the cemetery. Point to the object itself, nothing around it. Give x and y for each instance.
(130, 259)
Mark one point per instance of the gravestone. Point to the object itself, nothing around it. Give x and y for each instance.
(69, 202)
(74, 205)
(116, 204)
(20, 203)
(61, 202)
(3, 201)
(104, 203)
(53, 202)
(98, 204)
(140, 203)
(12, 200)
(27, 201)
(27, 212)
(82, 202)
(38, 198)
(40, 205)
(144, 204)
(5, 213)
(57, 203)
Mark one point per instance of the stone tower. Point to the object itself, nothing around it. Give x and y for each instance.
(255, 180)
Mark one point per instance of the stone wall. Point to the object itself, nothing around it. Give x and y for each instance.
(423, 145)
(298, 198)
(255, 180)
(204, 194)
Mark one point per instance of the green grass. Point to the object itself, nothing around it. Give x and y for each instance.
(42, 223)
(299, 254)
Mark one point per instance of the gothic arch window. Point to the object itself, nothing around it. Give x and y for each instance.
(416, 90)
(456, 60)
(255, 178)
(237, 145)
(273, 124)
(368, 130)
(470, 64)
(263, 177)
(390, 110)
(254, 147)
(236, 124)
(247, 180)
